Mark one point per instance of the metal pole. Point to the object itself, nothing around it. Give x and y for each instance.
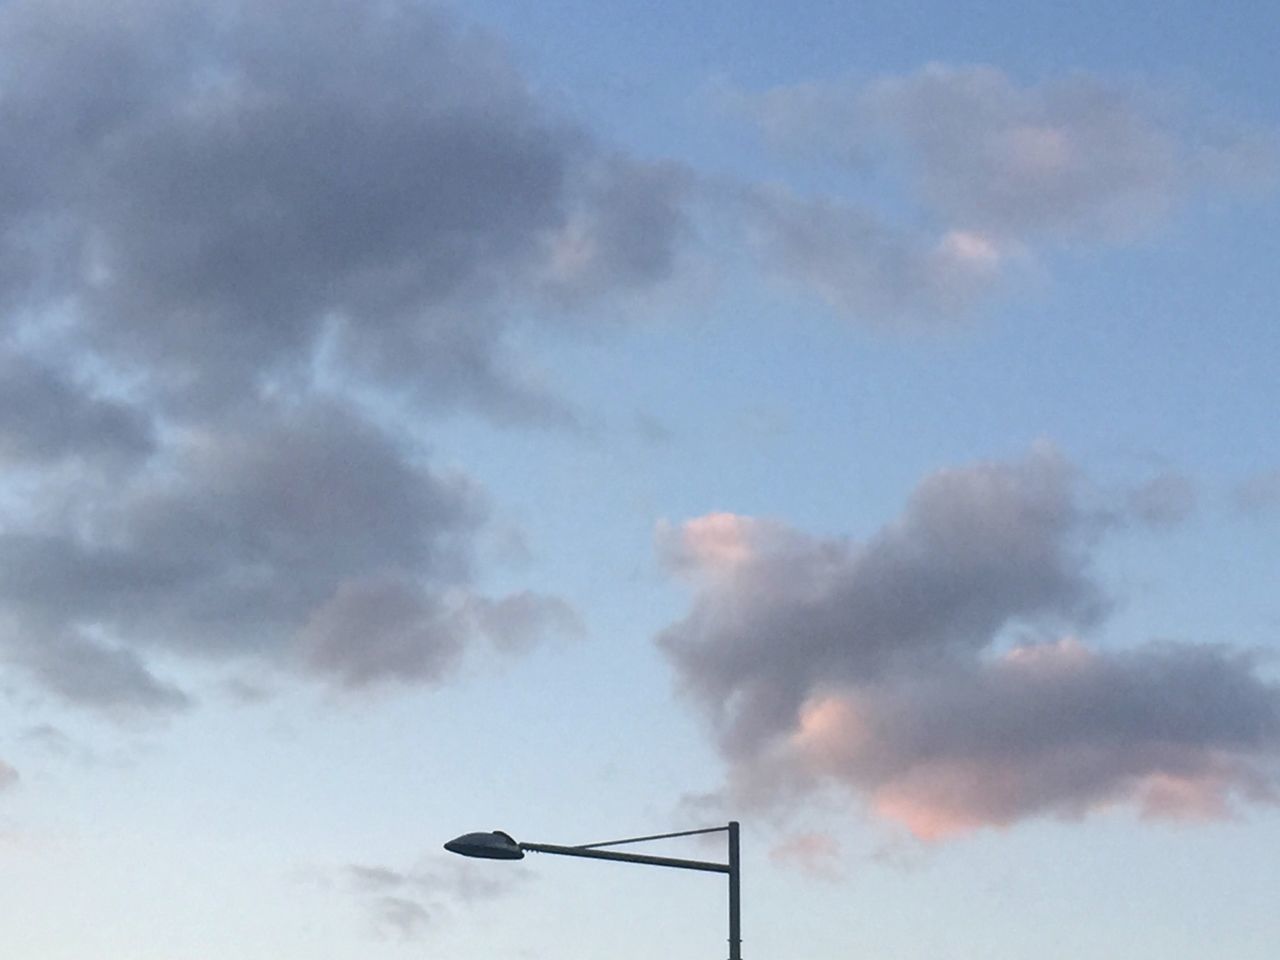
(735, 895)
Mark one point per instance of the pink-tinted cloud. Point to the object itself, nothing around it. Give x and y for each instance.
(817, 854)
(877, 669)
(1177, 732)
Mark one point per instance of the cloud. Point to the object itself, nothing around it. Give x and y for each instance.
(1078, 156)
(977, 551)
(303, 538)
(225, 191)
(45, 416)
(1259, 493)
(1051, 728)
(112, 679)
(1163, 501)
(407, 918)
(624, 230)
(8, 776)
(52, 741)
(959, 176)
(518, 621)
(405, 904)
(817, 854)
(868, 268)
(234, 233)
(877, 669)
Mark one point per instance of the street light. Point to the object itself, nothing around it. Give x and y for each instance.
(502, 846)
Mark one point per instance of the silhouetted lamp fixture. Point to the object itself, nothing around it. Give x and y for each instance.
(497, 845)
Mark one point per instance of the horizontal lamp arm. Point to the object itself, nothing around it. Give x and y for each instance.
(594, 854)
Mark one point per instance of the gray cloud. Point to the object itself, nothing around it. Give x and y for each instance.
(877, 668)
(51, 740)
(624, 230)
(405, 904)
(8, 776)
(977, 551)
(406, 918)
(1259, 493)
(1054, 728)
(112, 679)
(302, 537)
(377, 628)
(1163, 501)
(218, 224)
(867, 268)
(519, 621)
(45, 416)
(222, 190)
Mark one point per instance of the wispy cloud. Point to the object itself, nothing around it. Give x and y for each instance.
(1259, 493)
(867, 267)
(817, 854)
(981, 172)
(1163, 501)
(405, 904)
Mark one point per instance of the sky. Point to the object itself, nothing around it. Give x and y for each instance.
(599, 419)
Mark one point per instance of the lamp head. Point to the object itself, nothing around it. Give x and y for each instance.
(488, 846)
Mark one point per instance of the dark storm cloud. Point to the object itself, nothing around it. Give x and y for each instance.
(306, 538)
(211, 189)
(877, 667)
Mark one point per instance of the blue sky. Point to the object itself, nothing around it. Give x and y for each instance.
(597, 419)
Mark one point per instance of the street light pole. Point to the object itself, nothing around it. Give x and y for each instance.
(501, 846)
(735, 894)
